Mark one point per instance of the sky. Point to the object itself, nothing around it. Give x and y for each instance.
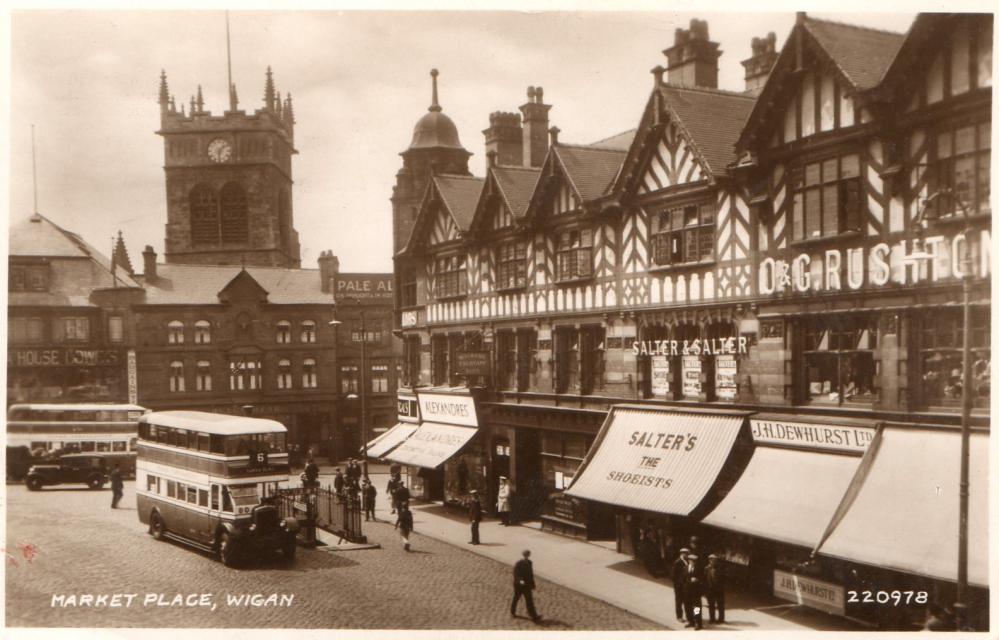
(88, 82)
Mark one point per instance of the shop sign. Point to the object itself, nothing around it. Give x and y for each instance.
(814, 436)
(364, 287)
(409, 410)
(472, 363)
(660, 375)
(817, 594)
(133, 382)
(878, 265)
(409, 319)
(63, 357)
(732, 345)
(725, 370)
(691, 376)
(448, 409)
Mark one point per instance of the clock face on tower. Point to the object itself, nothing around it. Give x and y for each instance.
(219, 150)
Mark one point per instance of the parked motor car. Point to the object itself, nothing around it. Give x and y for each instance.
(72, 468)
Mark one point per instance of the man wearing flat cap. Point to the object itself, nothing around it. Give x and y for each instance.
(474, 514)
(714, 589)
(679, 575)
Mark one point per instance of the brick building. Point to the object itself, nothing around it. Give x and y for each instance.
(770, 273)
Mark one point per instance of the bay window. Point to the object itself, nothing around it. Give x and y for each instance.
(574, 255)
(683, 234)
(450, 277)
(827, 198)
(511, 265)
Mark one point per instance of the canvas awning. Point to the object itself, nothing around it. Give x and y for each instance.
(788, 495)
(904, 511)
(432, 444)
(389, 440)
(655, 459)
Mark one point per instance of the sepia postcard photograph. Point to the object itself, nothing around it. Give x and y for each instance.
(534, 320)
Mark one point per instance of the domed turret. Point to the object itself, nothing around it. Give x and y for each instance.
(435, 130)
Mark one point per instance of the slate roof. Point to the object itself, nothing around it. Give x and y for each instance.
(620, 141)
(190, 284)
(712, 118)
(591, 170)
(517, 185)
(460, 195)
(862, 54)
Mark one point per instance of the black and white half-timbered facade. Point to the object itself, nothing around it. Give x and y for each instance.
(786, 260)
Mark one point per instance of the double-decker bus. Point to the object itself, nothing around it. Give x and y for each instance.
(211, 480)
(45, 431)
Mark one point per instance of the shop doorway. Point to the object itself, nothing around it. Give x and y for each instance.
(530, 494)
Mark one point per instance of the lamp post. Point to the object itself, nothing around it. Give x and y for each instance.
(362, 391)
(961, 605)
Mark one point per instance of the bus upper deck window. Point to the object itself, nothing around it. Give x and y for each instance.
(226, 500)
(217, 444)
(119, 445)
(104, 446)
(88, 447)
(215, 497)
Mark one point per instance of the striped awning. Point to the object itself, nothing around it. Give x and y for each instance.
(432, 444)
(389, 440)
(662, 460)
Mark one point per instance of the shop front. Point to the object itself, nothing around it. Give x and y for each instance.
(446, 455)
(67, 374)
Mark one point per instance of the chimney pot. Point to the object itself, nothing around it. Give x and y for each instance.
(535, 127)
(149, 264)
(553, 132)
(491, 155)
(693, 58)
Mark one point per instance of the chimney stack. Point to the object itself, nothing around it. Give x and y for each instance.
(553, 132)
(505, 138)
(329, 267)
(149, 264)
(693, 58)
(762, 61)
(535, 134)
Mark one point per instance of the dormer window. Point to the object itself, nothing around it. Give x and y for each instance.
(450, 277)
(575, 255)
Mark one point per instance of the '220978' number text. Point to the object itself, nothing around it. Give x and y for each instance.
(894, 598)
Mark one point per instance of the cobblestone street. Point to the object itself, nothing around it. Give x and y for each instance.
(83, 547)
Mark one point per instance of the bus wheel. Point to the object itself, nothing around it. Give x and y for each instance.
(95, 482)
(156, 527)
(33, 483)
(226, 551)
(288, 550)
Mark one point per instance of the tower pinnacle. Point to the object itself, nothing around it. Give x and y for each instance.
(164, 91)
(269, 90)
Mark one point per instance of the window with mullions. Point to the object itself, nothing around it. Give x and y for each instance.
(962, 165)
(839, 359)
(379, 378)
(309, 376)
(567, 360)
(455, 345)
(203, 376)
(506, 360)
(941, 368)
(283, 334)
(511, 265)
(244, 374)
(412, 349)
(284, 374)
(308, 331)
(175, 332)
(438, 357)
(684, 234)
(348, 379)
(408, 288)
(450, 277)
(827, 198)
(575, 255)
(176, 376)
(202, 332)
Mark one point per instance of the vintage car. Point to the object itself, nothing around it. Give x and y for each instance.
(72, 468)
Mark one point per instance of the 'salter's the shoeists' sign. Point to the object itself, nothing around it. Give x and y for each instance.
(448, 409)
(833, 437)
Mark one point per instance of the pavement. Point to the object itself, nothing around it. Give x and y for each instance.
(594, 569)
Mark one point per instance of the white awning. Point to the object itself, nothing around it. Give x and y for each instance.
(656, 460)
(787, 495)
(904, 511)
(389, 440)
(431, 444)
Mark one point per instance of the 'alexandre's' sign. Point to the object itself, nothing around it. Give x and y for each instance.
(877, 265)
(447, 409)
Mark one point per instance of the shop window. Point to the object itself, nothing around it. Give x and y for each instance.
(71, 329)
(284, 374)
(827, 198)
(511, 265)
(379, 378)
(309, 376)
(398, 376)
(408, 288)
(450, 277)
(203, 376)
(839, 359)
(412, 349)
(348, 379)
(438, 353)
(527, 347)
(116, 329)
(591, 359)
(308, 331)
(684, 234)
(575, 255)
(202, 332)
(176, 376)
(175, 332)
(940, 345)
(283, 334)
(566, 360)
(455, 345)
(506, 360)
(962, 167)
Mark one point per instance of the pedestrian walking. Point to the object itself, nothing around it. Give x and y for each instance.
(404, 523)
(368, 494)
(117, 486)
(702, 557)
(311, 474)
(338, 482)
(523, 585)
(692, 592)
(503, 501)
(401, 493)
(714, 589)
(354, 471)
(390, 488)
(679, 575)
(474, 515)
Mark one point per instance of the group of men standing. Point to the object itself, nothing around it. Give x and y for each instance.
(696, 577)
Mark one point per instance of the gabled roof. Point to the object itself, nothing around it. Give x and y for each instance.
(189, 284)
(861, 54)
(516, 185)
(460, 197)
(590, 170)
(620, 141)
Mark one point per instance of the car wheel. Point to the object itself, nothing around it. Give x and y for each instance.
(33, 483)
(95, 482)
(226, 550)
(288, 550)
(156, 526)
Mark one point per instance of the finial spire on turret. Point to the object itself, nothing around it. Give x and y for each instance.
(434, 106)
(277, 104)
(193, 105)
(289, 111)
(200, 101)
(269, 90)
(164, 91)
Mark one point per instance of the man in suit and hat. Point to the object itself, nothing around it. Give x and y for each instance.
(692, 590)
(714, 589)
(679, 575)
(474, 514)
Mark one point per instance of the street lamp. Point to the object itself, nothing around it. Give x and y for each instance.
(918, 255)
(362, 390)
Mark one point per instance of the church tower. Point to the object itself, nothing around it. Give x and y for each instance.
(228, 181)
(435, 148)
